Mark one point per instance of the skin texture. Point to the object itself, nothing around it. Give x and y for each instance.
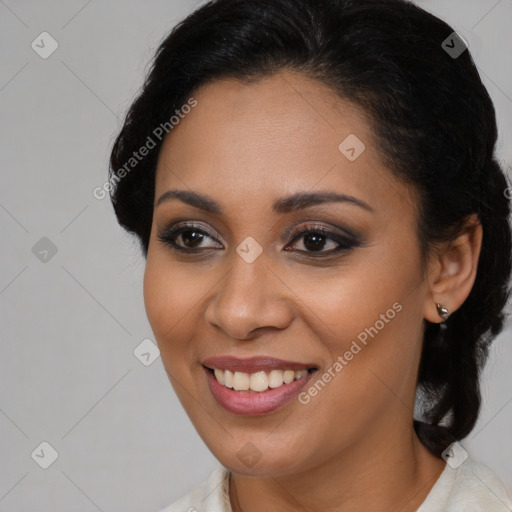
(246, 145)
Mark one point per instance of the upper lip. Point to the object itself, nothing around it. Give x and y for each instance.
(253, 364)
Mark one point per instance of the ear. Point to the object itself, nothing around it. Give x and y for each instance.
(452, 270)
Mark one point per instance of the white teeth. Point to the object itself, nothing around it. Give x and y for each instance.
(275, 378)
(300, 374)
(219, 375)
(240, 381)
(288, 376)
(259, 381)
(228, 379)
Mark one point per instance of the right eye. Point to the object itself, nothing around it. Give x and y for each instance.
(190, 235)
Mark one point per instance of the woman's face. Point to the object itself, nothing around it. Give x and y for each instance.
(243, 289)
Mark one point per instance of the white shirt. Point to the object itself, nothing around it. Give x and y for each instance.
(468, 486)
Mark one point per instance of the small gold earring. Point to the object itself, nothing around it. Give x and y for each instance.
(443, 311)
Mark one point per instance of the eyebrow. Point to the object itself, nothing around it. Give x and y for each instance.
(292, 203)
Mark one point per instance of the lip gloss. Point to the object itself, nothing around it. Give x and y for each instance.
(254, 403)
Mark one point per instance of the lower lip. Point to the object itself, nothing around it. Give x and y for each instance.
(264, 402)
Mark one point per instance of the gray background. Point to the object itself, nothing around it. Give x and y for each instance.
(70, 324)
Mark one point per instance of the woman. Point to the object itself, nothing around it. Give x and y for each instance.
(328, 251)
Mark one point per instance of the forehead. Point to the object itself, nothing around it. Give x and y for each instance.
(276, 135)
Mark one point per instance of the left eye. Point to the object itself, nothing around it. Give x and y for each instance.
(315, 240)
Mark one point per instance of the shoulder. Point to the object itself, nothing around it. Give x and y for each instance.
(212, 495)
(477, 488)
(468, 486)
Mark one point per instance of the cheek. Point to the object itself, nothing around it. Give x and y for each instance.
(158, 303)
(369, 314)
(345, 302)
(170, 298)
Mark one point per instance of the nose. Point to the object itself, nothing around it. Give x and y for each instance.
(250, 297)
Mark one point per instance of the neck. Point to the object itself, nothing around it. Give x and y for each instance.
(392, 474)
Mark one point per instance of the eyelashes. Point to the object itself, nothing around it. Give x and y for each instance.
(314, 240)
(170, 235)
(317, 237)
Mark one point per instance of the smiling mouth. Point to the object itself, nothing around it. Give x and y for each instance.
(258, 382)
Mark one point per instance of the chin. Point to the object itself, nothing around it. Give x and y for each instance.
(258, 459)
